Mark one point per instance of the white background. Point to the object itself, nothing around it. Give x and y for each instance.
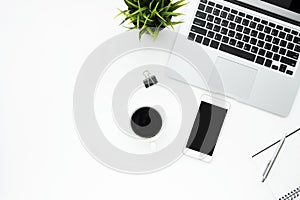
(42, 47)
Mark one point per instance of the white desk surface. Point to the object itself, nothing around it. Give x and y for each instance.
(42, 46)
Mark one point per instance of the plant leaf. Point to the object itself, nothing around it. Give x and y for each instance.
(154, 10)
(141, 33)
(138, 21)
(178, 5)
(145, 23)
(130, 3)
(158, 15)
(156, 32)
(138, 11)
(120, 13)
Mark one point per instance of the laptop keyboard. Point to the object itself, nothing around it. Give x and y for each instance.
(258, 40)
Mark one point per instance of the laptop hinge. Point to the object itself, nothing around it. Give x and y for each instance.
(280, 17)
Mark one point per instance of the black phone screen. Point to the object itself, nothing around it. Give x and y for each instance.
(206, 128)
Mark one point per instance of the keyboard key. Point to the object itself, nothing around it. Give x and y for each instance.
(297, 48)
(199, 22)
(283, 43)
(268, 38)
(289, 72)
(246, 30)
(216, 12)
(267, 29)
(217, 20)
(219, 6)
(256, 19)
(225, 39)
(206, 41)
(245, 22)
(234, 11)
(260, 43)
(276, 57)
(249, 17)
(230, 17)
(238, 20)
(274, 32)
(208, 9)
(288, 61)
(297, 40)
(253, 33)
(201, 6)
(262, 52)
(226, 9)
(254, 49)
(232, 25)
(252, 24)
(246, 38)
(238, 36)
(268, 63)
(282, 68)
(294, 32)
(209, 25)
(260, 60)
(253, 41)
(237, 52)
(264, 22)
(289, 37)
(191, 36)
(199, 38)
(247, 47)
(261, 36)
(260, 27)
(201, 15)
(275, 48)
(290, 46)
(198, 30)
(210, 34)
(282, 35)
(218, 37)
(223, 14)
(268, 46)
(210, 18)
(224, 23)
(231, 33)
(224, 31)
(279, 27)
(292, 54)
(269, 54)
(240, 44)
(211, 3)
(272, 24)
(287, 30)
(214, 44)
(217, 28)
(275, 67)
(232, 42)
(203, 1)
(242, 14)
(282, 51)
(275, 41)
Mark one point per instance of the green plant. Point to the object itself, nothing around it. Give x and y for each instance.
(150, 16)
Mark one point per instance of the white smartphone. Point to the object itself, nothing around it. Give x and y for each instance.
(207, 128)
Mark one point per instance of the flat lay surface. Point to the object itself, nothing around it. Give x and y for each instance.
(43, 45)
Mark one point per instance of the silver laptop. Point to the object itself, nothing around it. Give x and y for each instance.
(255, 45)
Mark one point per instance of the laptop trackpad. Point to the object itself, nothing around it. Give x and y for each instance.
(237, 79)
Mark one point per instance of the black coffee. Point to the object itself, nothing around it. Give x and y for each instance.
(146, 122)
